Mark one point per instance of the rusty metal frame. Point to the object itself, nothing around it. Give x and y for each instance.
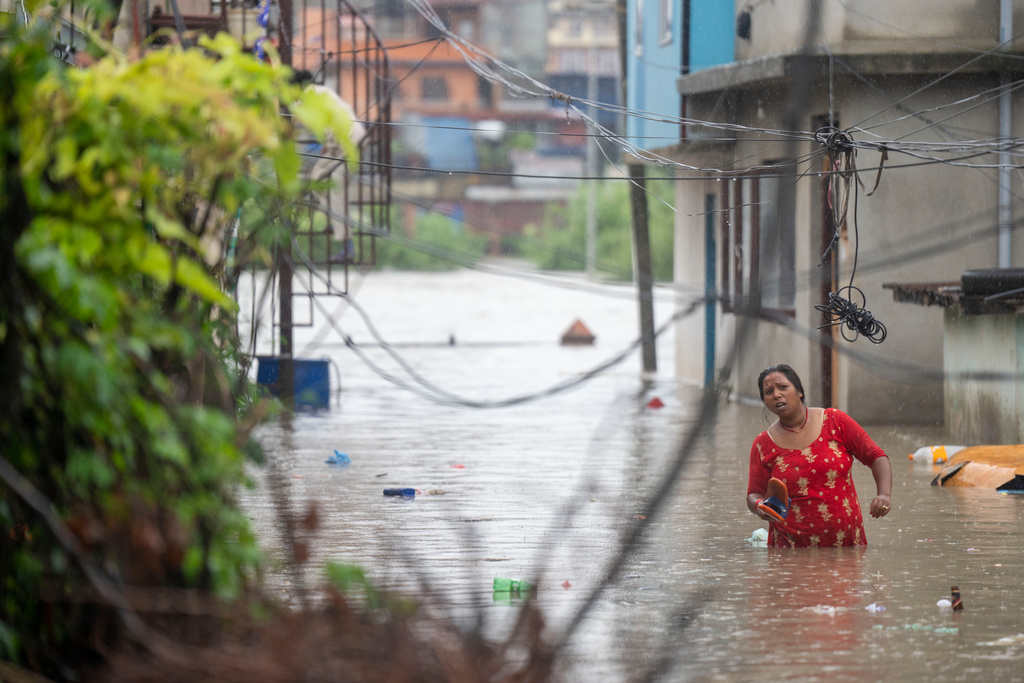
(335, 42)
(342, 224)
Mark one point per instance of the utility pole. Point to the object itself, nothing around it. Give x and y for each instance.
(642, 264)
(591, 252)
(641, 233)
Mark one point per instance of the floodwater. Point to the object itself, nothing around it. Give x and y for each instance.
(546, 489)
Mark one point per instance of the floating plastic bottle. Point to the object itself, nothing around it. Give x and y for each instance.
(503, 585)
(405, 493)
(957, 603)
(934, 455)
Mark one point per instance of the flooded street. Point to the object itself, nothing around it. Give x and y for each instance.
(545, 489)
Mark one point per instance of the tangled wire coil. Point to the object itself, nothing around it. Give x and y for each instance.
(842, 311)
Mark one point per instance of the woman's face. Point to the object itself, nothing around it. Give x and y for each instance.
(779, 394)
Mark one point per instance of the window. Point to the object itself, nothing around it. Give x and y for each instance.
(434, 89)
(664, 22)
(757, 241)
(777, 237)
(638, 29)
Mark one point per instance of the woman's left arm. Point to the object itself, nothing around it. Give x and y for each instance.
(868, 452)
(881, 470)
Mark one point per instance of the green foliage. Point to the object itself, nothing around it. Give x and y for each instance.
(495, 156)
(118, 357)
(560, 243)
(439, 244)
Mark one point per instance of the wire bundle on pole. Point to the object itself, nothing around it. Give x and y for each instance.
(855, 319)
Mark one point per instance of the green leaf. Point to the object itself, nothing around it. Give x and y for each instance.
(155, 262)
(169, 229)
(194, 277)
(287, 164)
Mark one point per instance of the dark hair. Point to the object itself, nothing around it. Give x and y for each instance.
(788, 372)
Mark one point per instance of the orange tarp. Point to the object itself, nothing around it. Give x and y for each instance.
(983, 466)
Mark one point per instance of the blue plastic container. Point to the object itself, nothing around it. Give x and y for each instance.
(312, 380)
(405, 493)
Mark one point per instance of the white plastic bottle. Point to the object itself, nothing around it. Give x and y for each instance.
(934, 455)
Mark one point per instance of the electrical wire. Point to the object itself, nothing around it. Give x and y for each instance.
(490, 68)
(907, 149)
(943, 77)
(914, 249)
(431, 391)
(620, 289)
(854, 320)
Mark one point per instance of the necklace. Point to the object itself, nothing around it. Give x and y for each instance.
(802, 424)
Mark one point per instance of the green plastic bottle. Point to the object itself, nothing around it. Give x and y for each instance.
(503, 585)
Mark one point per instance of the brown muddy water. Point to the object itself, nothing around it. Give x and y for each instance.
(546, 489)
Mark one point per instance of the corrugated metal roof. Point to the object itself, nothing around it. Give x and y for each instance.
(950, 294)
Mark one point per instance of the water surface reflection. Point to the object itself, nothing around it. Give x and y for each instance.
(547, 490)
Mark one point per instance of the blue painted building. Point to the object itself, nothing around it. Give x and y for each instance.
(666, 39)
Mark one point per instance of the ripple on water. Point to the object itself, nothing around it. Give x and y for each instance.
(550, 488)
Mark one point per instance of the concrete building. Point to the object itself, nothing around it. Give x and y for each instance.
(450, 118)
(913, 95)
(983, 351)
(583, 53)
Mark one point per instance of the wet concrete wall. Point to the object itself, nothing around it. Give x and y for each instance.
(873, 25)
(924, 223)
(984, 411)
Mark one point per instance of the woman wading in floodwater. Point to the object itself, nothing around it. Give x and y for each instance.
(801, 469)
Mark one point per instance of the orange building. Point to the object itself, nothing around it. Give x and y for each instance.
(428, 76)
(433, 78)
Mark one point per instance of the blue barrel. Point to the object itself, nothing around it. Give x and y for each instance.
(312, 380)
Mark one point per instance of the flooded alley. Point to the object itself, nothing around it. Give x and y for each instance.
(545, 490)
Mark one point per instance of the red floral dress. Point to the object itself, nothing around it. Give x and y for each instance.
(825, 510)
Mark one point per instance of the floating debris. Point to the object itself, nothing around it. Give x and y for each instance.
(503, 585)
(339, 459)
(578, 335)
(934, 455)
